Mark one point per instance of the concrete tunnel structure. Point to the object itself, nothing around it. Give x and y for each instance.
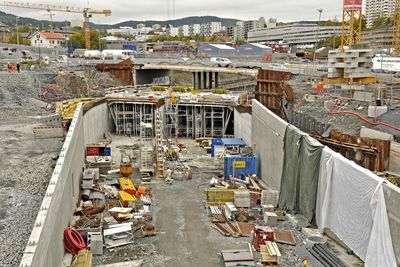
(89, 124)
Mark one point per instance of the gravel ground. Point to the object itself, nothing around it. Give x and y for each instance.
(25, 165)
(186, 237)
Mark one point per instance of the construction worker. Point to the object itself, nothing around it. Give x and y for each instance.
(168, 175)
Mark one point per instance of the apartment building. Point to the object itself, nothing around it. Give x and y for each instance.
(378, 8)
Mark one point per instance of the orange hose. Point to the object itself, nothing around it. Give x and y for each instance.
(364, 119)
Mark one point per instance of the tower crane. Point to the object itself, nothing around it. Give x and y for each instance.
(351, 23)
(396, 29)
(87, 13)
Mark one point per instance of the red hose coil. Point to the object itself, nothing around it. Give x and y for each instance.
(73, 241)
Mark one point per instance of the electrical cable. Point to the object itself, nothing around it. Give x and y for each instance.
(73, 241)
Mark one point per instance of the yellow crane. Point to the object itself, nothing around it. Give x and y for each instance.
(351, 23)
(396, 29)
(87, 13)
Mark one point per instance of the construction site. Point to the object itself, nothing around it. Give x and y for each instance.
(146, 162)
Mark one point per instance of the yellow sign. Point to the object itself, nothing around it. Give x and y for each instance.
(239, 164)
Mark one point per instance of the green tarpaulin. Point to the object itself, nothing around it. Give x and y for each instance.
(300, 173)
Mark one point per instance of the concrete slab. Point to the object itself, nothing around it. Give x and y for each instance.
(46, 132)
(376, 111)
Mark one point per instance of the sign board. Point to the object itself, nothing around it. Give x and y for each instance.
(239, 164)
(352, 5)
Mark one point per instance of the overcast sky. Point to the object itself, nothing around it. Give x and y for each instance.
(283, 10)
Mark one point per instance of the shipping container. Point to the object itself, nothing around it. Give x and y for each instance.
(239, 166)
(226, 142)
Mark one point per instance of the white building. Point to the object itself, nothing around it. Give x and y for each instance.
(298, 34)
(378, 8)
(195, 29)
(174, 31)
(215, 27)
(184, 30)
(47, 39)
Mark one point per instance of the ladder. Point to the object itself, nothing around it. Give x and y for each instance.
(159, 144)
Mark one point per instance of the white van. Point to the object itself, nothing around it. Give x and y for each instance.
(117, 54)
(221, 61)
(89, 54)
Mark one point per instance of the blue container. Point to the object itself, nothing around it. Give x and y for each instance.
(107, 151)
(239, 166)
(215, 142)
(130, 47)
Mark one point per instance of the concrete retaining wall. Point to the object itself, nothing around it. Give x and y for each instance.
(392, 199)
(243, 126)
(45, 245)
(96, 123)
(267, 135)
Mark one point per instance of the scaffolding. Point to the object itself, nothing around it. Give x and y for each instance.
(128, 117)
(159, 144)
(396, 29)
(191, 120)
(146, 149)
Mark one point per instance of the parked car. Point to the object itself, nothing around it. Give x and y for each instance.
(221, 61)
(26, 54)
(62, 59)
(45, 59)
(277, 66)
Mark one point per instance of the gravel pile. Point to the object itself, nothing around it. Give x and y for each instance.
(25, 165)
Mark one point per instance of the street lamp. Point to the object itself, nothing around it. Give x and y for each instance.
(16, 24)
(316, 41)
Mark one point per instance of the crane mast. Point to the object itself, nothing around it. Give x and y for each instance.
(86, 12)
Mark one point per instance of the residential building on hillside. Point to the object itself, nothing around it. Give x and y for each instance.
(194, 29)
(242, 28)
(206, 29)
(378, 8)
(184, 30)
(47, 39)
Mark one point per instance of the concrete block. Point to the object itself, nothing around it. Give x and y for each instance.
(48, 132)
(269, 196)
(374, 134)
(270, 218)
(310, 98)
(328, 104)
(242, 199)
(95, 242)
(311, 232)
(268, 208)
(376, 111)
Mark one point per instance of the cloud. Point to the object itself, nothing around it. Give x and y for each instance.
(283, 10)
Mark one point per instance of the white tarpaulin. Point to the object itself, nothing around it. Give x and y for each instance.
(350, 202)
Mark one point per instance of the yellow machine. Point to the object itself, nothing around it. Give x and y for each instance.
(127, 200)
(126, 185)
(125, 167)
(69, 107)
